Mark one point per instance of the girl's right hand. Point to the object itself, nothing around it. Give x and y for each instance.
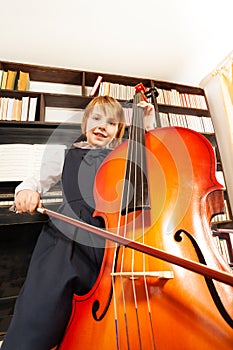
(149, 115)
(26, 201)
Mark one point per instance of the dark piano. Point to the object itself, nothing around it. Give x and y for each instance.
(18, 236)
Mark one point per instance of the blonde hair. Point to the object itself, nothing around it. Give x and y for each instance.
(111, 107)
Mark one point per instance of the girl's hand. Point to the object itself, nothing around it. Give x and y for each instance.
(149, 115)
(26, 201)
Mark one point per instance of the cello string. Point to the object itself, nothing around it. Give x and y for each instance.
(128, 177)
(142, 162)
(115, 311)
(121, 282)
(126, 223)
(134, 159)
(116, 295)
(144, 256)
(137, 158)
(134, 221)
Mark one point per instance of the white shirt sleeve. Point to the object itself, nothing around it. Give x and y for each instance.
(49, 172)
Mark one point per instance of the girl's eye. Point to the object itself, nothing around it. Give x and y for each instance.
(95, 117)
(112, 122)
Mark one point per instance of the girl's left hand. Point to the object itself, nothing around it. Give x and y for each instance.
(149, 115)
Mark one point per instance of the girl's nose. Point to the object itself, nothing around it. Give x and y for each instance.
(102, 125)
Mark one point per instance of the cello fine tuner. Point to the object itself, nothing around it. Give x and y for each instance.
(138, 274)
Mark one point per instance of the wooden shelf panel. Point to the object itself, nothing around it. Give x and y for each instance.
(18, 94)
(179, 87)
(66, 101)
(46, 73)
(183, 110)
(39, 133)
(90, 78)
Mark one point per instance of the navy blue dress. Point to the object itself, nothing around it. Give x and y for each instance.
(66, 260)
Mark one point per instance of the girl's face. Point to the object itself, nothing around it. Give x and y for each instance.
(101, 129)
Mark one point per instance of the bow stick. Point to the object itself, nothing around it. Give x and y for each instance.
(204, 270)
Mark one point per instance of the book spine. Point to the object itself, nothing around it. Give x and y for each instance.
(96, 85)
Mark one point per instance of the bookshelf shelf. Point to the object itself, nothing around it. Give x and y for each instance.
(183, 110)
(17, 94)
(66, 101)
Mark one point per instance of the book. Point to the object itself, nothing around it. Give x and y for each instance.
(231, 238)
(1, 74)
(19, 161)
(220, 178)
(10, 109)
(96, 85)
(1, 107)
(63, 115)
(105, 89)
(10, 82)
(4, 104)
(24, 109)
(16, 110)
(4, 78)
(42, 86)
(23, 81)
(32, 109)
(118, 91)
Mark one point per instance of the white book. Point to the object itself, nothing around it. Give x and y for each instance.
(10, 107)
(32, 109)
(231, 238)
(24, 110)
(164, 119)
(1, 75)
(1, 99)
(220, 178)
(1, 106)
(19, 161)
(69, 89)
(96, 85)
(4, 105)
(63, 115)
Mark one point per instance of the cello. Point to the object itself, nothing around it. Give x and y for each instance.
(163, 195)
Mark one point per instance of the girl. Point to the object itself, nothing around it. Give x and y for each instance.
(66, 260)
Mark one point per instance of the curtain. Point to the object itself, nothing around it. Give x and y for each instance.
(226, 76)
(218, 87)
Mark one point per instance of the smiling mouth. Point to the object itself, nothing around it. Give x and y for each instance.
(98, 134)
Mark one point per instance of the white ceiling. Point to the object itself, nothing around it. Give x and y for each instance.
(174, 40)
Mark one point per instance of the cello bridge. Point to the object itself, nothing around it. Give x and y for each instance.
(133, 275)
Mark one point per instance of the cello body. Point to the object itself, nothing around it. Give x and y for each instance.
(141, 302)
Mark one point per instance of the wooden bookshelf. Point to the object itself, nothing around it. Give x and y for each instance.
(40, 131)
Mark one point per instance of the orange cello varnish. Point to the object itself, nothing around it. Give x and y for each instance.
(180, 312)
